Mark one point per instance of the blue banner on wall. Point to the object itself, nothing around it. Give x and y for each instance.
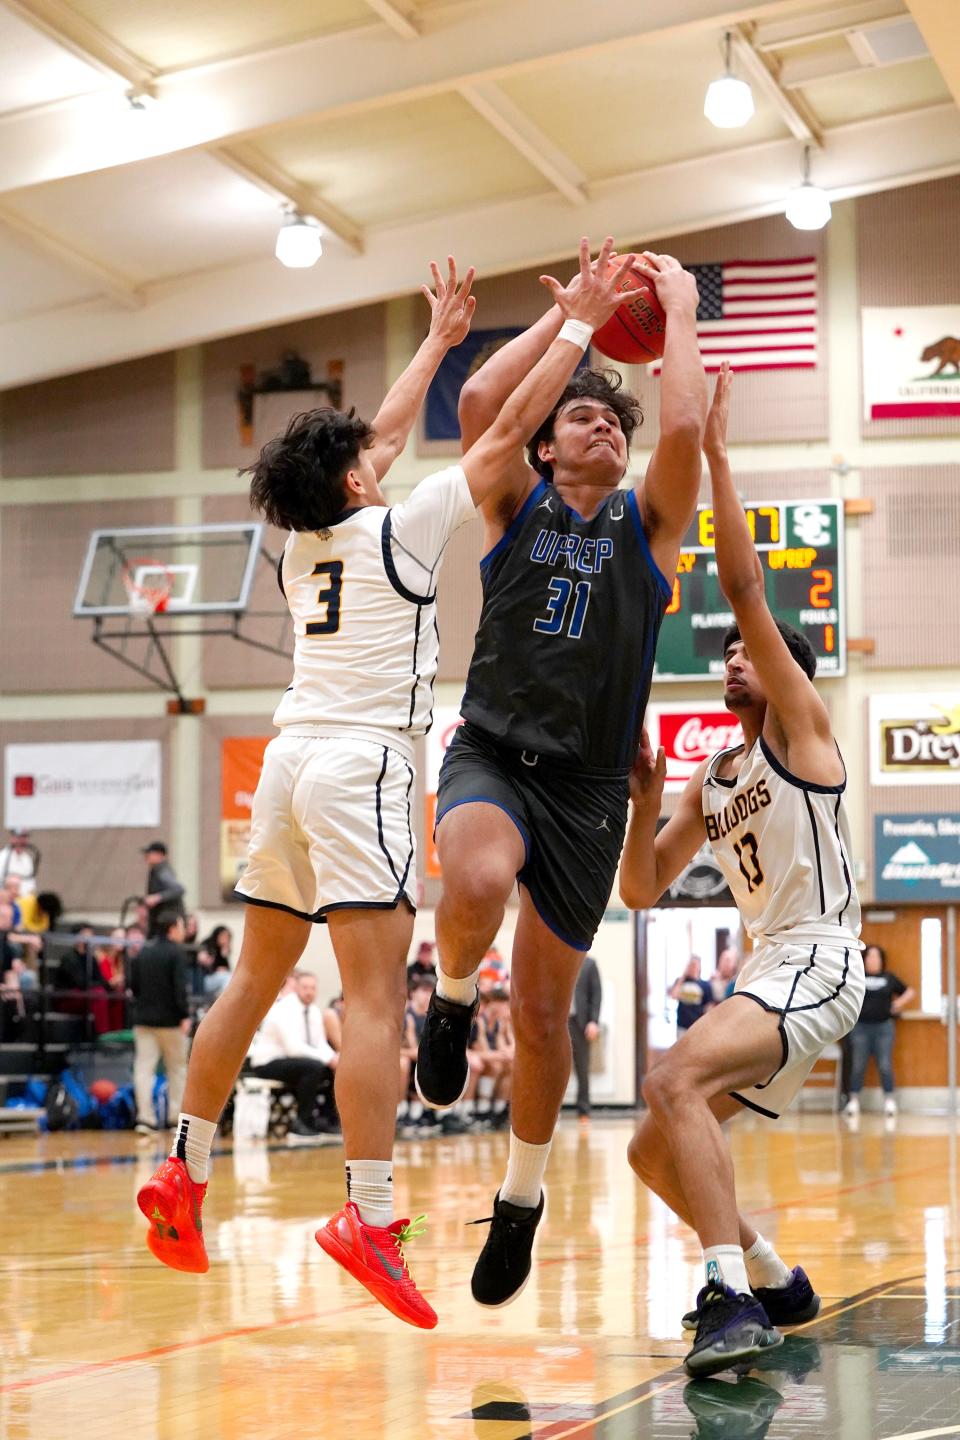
(917, 857)
(456, 367)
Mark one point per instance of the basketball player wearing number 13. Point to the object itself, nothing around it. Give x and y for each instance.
(772, 810)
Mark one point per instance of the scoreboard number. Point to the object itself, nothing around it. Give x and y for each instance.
(800, 544)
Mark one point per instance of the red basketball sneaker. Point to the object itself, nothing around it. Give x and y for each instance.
(375, 1257)
(172, 1204)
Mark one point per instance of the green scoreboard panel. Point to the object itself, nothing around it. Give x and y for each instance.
(800, 544)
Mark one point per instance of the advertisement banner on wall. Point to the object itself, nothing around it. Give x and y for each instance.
(911, 361)
(917, 857)
(690, 731)
(446, 721)
(915, 739)
(87, 785)
(241, 758)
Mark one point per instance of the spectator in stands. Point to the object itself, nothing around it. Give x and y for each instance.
(333, 1023)
(584, 1028)
(111, 960)
(291, 1046)
(164, 894)
(693, 995)
(213, 960)
(11, 892)
(136, 939)
(494, 1046)
(18, 857)
(423, 963)
(16, 947)
(39, 913)
(419, 990)
(885, 997)
(157, 978)
(724, 978)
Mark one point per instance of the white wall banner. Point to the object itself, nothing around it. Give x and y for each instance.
(911, 361)
(82, 786)
(690, 731)
(915, 739)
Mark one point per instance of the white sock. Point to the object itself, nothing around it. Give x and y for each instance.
(765, 1269)
(724, 1264)
(525, 1167)
(192, 1140)
(370, 1187)
(461, 992)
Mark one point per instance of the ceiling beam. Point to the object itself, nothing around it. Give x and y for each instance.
(59, 22)
(937, 24)
(781, 34)
(105, 281)
(399, 20)
(678, 199)
(520, 131)
(246, 160)
(763, 69)
(335, 75)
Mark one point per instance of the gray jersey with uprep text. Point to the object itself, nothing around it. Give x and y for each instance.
(564, 652)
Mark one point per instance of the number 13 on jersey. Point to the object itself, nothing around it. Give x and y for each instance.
(558, 605)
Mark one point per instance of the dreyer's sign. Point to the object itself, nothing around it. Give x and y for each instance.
(917, 857)
(690, 734)
(915, 739)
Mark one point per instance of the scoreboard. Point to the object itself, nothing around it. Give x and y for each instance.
(800, 544)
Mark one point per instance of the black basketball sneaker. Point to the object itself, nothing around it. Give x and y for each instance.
(790, 1304)
(503, 1265)
(733, 1328)
(442, 1071)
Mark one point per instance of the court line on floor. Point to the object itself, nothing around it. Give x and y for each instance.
(926, 1434)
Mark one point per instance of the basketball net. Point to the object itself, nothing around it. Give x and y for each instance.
(143, 597)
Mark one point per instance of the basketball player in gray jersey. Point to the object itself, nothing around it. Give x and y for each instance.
(773, 812)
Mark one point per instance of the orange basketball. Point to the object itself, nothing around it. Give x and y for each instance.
(636, 332)
(103, 1090)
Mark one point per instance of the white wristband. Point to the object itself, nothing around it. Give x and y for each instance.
(577, 331)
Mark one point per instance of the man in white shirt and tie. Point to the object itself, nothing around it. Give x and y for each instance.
(291, 1046)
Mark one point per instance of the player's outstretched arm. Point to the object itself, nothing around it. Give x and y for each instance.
(799, 711)
(590, 299)
(650, 861)
(668, 496)
(451, 308)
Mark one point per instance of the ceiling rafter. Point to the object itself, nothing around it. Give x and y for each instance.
(103, 279)
(399, 20)
(249, 162)
(526, 137)
(782, 34)
(60, 22)
(764, 70)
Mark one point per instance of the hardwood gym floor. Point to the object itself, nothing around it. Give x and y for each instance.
(98, 1342)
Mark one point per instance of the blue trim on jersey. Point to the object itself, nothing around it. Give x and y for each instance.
(391, 569)
(510, 534)
(280, 577)
(344, 515)
(582, 945)
(792, 779)
(665, 588)
(485, 800)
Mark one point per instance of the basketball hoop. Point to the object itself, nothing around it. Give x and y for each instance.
(149, 584)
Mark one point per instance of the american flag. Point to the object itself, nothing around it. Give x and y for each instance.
(758, 314)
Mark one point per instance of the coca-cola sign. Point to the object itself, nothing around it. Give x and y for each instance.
(690, 734)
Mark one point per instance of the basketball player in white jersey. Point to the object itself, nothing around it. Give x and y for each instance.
(331, 838)
(773, 812)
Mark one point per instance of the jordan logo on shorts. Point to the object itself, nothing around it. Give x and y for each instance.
(604, 825)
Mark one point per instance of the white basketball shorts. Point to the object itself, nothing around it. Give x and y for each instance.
(817, 991)
(331, 828)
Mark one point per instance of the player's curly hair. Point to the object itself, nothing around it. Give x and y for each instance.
(297, 479)
(603, 385)
(797, 643)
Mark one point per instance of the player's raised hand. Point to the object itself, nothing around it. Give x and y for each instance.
(450, 302)
(676, 288)
(715, 435)
(648, 774)
(593, 295)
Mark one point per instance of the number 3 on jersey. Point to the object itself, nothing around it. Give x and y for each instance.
(558, 603)
(329, 597)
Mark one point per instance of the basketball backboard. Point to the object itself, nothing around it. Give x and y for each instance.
(206, 569)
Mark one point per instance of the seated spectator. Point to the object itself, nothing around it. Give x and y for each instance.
(15, 944)
(333, 1023)
(112, 960)
(493, 1048)
(40, 913)
(78, 975)
(136, 938)
(423, 963)
(10, 891)
(291, 1046)
(213, 960)
(19, 858)
(418, 1001)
